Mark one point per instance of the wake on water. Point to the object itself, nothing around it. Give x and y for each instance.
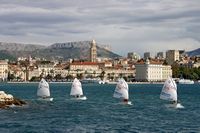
(179, 106)
(128, 103)
(176, 106)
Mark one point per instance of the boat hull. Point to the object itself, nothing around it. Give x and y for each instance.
(79, 98)
(126, 103)
(186, 81)
(45, 99)
(178, 105)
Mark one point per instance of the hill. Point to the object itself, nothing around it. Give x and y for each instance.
(79, 50)
(195, 52)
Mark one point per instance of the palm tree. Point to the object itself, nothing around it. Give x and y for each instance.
(15, 74)
(6, 74)
(52, 72)
(42, 74)
(10, 76)
(86, 73)
(120, 75)
(58, 76)
(49, 76)
(102, 75)
(77, 73)
(94, 73)
(113, 75)
(109, 76)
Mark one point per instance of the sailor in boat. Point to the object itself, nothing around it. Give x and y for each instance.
(173, 102)
(125, 100)
(77, 96)
(45, 97)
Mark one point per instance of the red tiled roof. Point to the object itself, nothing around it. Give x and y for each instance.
(14, 68)
(84, 63)
(3, 62)
(151, 62)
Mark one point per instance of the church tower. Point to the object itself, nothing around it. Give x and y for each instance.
(93, 51)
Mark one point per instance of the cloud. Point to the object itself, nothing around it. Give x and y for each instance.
(127, 25)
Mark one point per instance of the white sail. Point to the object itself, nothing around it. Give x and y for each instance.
(169, 90)
(43, 89)
(76, 88)
(121, 90)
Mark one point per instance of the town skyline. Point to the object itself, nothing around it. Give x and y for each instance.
(127, 26)
(131, 68)
(105, 46)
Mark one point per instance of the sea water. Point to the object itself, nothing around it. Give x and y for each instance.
(100, 112)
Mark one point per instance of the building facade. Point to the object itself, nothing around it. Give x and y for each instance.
(45, 69)
(133, 56)
(147, 55)
(152, 71)
(93, 66)
(3, 70)
(160, 55)
(172, 56)
(166, 72)
(33, 73)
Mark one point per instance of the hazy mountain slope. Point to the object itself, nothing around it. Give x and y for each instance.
(195, 52)
(65, 51)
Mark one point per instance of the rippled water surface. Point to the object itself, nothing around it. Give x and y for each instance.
(101, 112)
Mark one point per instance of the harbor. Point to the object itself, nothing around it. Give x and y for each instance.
(101, 112)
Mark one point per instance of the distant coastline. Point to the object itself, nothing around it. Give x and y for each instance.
(86, 83)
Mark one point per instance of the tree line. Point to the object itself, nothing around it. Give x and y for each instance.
(185, 72)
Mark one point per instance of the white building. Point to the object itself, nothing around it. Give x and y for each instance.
(33, 73)
(166, 71)
(84, 66)
(3, 69)
(45, 69)
(152, 71)
(196, 65)
(18, 72)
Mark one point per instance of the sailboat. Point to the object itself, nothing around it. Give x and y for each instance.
(43, 91)
(169, 93)
(76, 90)
(121, 91)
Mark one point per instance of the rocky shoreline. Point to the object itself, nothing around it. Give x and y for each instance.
(15, 101)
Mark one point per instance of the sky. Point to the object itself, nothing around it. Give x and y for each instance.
(126, 25)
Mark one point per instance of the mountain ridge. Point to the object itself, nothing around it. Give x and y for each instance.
(195, 52)
(79, 50)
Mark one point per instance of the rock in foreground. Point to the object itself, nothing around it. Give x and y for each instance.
(6, 100)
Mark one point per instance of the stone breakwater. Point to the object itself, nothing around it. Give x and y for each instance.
(15, 101)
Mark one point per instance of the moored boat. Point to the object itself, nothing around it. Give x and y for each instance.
(185, 81)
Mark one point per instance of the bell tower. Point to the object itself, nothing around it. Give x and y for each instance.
(93, 51)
